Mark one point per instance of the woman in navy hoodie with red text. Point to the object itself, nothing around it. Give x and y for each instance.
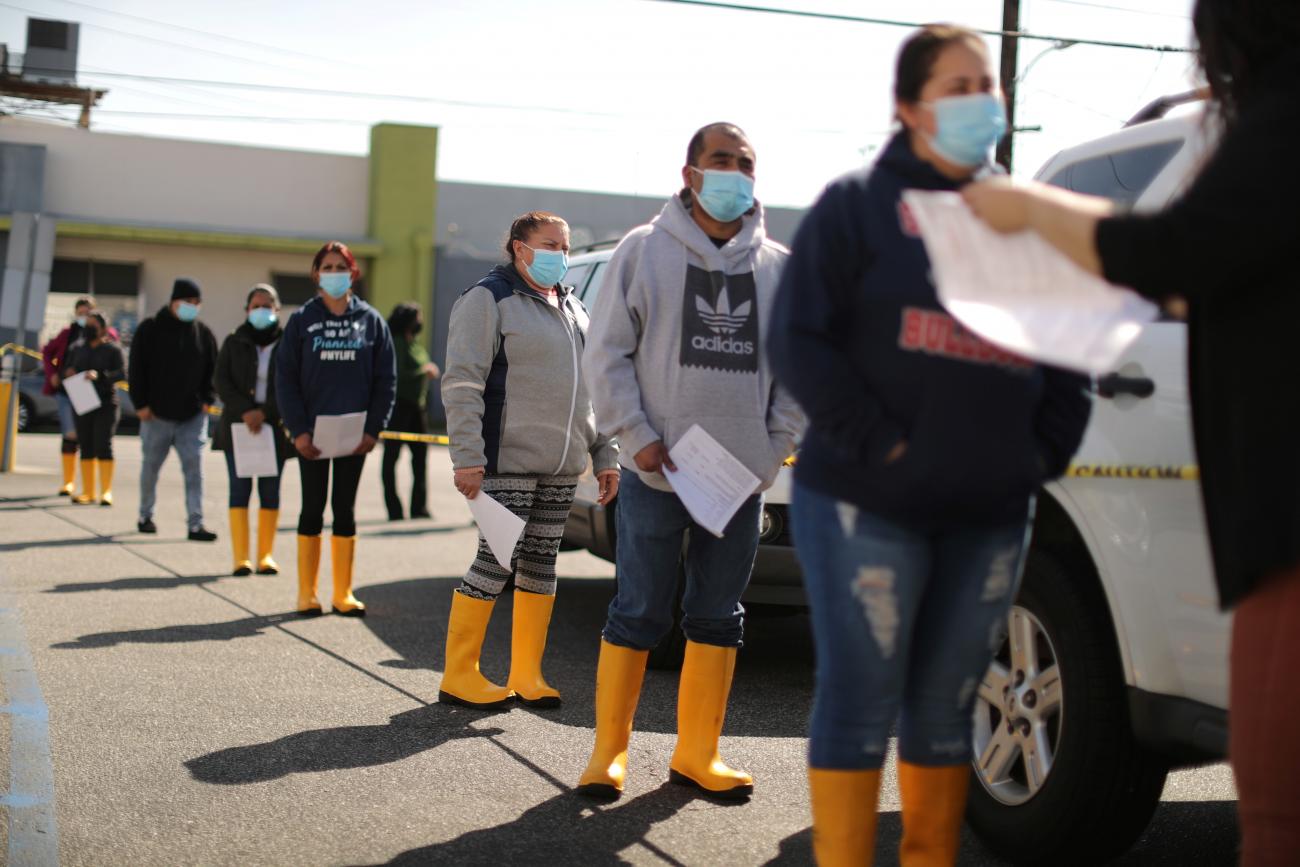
(336, 357)
(915, 484)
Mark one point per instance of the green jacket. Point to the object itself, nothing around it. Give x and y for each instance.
(412, 386)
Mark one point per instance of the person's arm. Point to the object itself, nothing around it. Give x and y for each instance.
(805, 343)
(207, 394)
(233, 400)
(785, 422)
(114, 371)
(383, 385)
(288, 380)
(1062, 418)
(473, 337)
(141, 350)
(1066, 220)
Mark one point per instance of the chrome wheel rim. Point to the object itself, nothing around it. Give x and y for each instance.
(1018, 712)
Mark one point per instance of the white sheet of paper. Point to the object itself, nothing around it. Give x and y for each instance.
(1020, 293)
(709, 481)
(338, 435)
(81, 391)
(254, 452)
(500, 526)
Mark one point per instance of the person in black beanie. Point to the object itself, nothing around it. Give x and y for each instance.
(173, 357)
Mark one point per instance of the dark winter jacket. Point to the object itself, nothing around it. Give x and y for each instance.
(1228, 247)
(236, 381)
(107, 360)
(861, 341)
(335, 365)
(171, 367)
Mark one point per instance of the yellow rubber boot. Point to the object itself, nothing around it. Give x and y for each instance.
(69, 474)
(618, 687)
(527, 644)
(701, 707)
(934, 800)
(87, 494)
(106, 482)
(308, 566)
(267, 519)
(461, 681)
(844, 816)
(342, 549)
(239, 541)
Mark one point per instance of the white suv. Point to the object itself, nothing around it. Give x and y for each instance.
(1115, 666)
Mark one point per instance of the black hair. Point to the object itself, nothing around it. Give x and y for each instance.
(103, 323)
(695, 149)
(917, 56)
(1237, 42)
(403, 318)
(84, 301)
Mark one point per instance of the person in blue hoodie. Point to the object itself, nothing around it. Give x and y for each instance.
(915, 484)
(336, 357)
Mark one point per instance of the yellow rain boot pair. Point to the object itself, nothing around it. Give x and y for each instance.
(844, 816)
(106, 482)
(87, 495)
(69, 474)
(239, 542)
(462, 683)
(308, 566)
(527, 644)
(934, 801)
(342, 549)
(701, 706)
(619, 674)
(267, 520)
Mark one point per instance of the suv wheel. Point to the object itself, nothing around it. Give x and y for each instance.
(26, 412)
(1059, 777)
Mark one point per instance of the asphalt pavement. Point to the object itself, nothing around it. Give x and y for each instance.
(194, 719)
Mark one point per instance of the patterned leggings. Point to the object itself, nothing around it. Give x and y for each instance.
(543, 502)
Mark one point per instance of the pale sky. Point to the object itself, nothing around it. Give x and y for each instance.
(589, 94)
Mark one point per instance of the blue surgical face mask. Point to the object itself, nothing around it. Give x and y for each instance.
(81, 321)
(335, 283)
(725, 196)
(549, 266)
(261, 318)
(968, 127)
(187, 312)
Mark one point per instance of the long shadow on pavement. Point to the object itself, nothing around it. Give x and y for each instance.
(406, 734)
(590, 835)
(246, 627)
(153, 582)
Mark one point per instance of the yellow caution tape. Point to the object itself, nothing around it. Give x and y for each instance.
(403, 436)
(21, 350)
(1121, 471)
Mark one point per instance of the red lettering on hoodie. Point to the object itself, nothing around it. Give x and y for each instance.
(936, 333)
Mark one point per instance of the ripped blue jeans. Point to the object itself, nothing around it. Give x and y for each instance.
(905, 624)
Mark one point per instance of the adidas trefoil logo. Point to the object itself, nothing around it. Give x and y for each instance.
(723, 322)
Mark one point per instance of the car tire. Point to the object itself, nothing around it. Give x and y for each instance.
(26, 413)
(1099, 788)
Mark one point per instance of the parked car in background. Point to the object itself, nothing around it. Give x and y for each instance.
(35, 408)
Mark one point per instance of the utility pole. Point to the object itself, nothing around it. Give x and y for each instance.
(1010, 60)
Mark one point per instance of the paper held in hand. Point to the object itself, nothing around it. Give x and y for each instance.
(338, 435)
(82, 394)
(254, 452)
(709, 481)
(1021, 294)
(500, 526)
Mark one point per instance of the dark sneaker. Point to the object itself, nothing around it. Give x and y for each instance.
(146, 526)
(202, 535)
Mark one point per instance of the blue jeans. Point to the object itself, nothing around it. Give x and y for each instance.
(188, 437)
(901, 619)
(651, 525)
(241, 490)
(67, 417)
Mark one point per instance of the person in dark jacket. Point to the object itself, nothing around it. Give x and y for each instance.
(54, 359)
(100, 358)
(335, 358)
(173, 356)
(245, 381)
(1224, 254)
(915, 484)
(414, 370)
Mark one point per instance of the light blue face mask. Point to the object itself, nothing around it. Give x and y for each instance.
(81, 321)
(187, 312)
(335, 283)
(968, 127)
(549, 266)
(261, 318)
(725, 196)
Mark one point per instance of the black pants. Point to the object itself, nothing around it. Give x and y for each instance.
(409, 418)
(95, 432)
(315, 485)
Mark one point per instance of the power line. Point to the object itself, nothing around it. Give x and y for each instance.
(1093, 6)
(912, 25)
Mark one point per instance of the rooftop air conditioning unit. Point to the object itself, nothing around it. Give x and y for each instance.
(51, 52)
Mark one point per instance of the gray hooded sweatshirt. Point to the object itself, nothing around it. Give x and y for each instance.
(512, 388)
(676, 340)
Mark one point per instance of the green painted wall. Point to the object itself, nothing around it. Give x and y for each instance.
(403, 202)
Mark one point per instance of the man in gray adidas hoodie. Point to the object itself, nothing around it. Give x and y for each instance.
(676, 340)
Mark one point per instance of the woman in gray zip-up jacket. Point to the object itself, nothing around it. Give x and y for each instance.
(522, 429)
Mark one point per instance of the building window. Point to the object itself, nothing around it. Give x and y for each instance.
(88, 277)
